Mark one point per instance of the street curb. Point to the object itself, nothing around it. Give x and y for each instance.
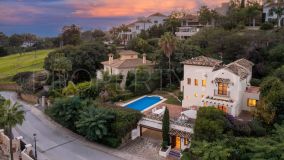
(79, 138)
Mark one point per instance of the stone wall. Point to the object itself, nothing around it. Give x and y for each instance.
(29, 98)
(27, 153)
(5, 143)
(16, 143)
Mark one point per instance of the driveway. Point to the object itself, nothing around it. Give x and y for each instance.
(55, 143)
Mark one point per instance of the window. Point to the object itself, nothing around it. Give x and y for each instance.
(189, 81)
(195, 94)
(222, 88)
(251, 102)
(155, 22)
(196, 82)
(202, 96)
(185, 141)
(203, 83)
(137, 27)
(205, 104)
(271, 12)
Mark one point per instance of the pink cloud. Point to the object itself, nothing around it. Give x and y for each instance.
(118, 8)
(15, 14)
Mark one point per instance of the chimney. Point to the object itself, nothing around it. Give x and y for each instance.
(144, 58)
(110, 58)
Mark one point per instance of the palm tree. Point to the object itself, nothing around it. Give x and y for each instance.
(94, 123)
(12, 116)
(168, 44)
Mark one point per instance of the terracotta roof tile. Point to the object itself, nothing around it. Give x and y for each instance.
(253, 89)
(128, 63)
(245, 63)
(238, 70)
(128, 52)
(202, 61)
(158, 15)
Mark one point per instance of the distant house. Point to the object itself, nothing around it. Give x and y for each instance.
(128, 61)
(142, 23)
(189, 26)
(208, 82)
(27, 44)
(270, 16)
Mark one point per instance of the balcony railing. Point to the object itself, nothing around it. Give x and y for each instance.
(224, 94)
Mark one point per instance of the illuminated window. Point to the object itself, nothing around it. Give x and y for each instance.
(195, 94)
(196, 82)
(222, 88)
(202, 96)
(185, 141)
(251, 102)
(205, 104)
(189, 81)
(203, 83)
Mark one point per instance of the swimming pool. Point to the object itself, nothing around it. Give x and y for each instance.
(144, 103)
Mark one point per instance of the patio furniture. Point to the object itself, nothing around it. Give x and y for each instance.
(160, 111)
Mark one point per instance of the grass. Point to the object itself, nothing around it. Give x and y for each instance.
(170, 99)
(16, 63)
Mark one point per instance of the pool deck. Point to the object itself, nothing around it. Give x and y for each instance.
(174, 110)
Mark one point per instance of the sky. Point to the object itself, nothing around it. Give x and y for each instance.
(47, 17)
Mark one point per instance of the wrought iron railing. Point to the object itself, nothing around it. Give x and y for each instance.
(221, 94)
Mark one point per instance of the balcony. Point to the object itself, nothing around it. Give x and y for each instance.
(225, 94)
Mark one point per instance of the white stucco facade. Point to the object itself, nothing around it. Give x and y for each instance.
(142, 23)
(270, 15)
(189, 26)
(202, 86)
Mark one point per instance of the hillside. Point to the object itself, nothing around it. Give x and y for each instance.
(28, 61)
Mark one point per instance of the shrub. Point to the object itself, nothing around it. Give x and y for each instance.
(111, 141)
(65, 111)
(242, 129)
(210, 124)
(70, 89)
(257, 129)
(255, 82)
(22, 77)
(266, 26)
(94, 123)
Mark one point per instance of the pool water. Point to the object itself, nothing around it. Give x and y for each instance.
(144, 103)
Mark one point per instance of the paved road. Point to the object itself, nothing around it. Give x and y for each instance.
(53, 143)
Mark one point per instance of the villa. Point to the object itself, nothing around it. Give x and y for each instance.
(209, 82)
(128, 61)
(189, 26)
(142, 23)
(269, 15)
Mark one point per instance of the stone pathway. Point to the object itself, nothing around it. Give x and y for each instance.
(144, 147)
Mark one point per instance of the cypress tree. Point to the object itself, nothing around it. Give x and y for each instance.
(166, 128)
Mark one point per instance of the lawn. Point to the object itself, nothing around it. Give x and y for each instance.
(13, 64)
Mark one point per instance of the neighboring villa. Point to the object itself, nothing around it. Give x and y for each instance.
(269, 15)
(128, 61)
(208, 82)
(189, 26)
(143, 23)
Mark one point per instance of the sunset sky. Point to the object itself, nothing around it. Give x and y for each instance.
(46, 17)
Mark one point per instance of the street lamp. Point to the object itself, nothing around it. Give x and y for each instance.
(35, 146)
